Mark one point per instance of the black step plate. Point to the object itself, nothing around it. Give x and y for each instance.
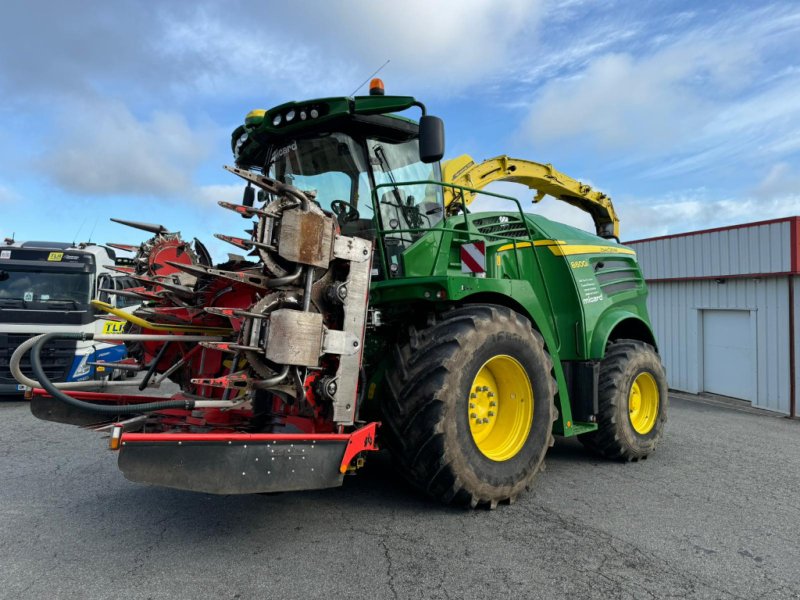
(50, 409)
(234, 468)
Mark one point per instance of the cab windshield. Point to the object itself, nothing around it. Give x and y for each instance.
(341, 170)
(331, 165)
(44, 289)
(403, 208)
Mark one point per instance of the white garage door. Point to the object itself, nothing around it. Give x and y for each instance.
(728, 354)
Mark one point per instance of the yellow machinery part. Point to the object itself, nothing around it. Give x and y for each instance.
(500, 408)
(544, 179)
(643, 403)
(145, 324)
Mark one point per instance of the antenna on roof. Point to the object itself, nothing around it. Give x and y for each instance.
(91, 233)
(77, 233)
(388, 60)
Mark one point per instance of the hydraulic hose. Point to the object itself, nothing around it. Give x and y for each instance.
(290, 190)
(24, 347)
(308, 287)
(115, 409)
(286, 279)
(152, 368)
(264, 384)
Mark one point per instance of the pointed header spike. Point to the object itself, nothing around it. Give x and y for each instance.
(221, 311)
(236, 241)
(234, 380)
(123, 247)
(125, 270)
(245, 211)
(133, 293)
(150, 227)
(265, 183)
(198, 270)
(222, 346)
(244, 277)
(146, 280)
(181, 290)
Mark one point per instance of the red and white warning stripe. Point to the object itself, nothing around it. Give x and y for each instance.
(473, 257)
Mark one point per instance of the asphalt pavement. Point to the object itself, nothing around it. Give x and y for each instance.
(714, 513)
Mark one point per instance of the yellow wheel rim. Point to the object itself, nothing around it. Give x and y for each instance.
(643, 403)
(500, 408)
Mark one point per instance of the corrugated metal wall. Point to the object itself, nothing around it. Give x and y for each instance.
(676, 311)
(690, 274)
(796, 284)
(741, 251)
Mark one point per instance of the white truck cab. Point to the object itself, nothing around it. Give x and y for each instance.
(47, 287)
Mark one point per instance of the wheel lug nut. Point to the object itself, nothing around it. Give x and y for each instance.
(473, 396)
(472, 405)
(491, 414)
(485, 388)
(490, 394)
(485, 420)
(474, 416)
(492, 403)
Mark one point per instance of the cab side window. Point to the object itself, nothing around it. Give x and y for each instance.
(124, 283)
(104, 282)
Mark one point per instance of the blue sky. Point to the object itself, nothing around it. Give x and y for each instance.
(686, 113)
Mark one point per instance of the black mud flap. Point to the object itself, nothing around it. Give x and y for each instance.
(234, 467)
(50, 409)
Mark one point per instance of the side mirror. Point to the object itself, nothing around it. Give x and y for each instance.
(249, 195)
(431, 139)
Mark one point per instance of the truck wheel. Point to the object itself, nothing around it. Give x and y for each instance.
(468, 408)
(633, 402)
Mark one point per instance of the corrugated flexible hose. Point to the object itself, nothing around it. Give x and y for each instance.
(115, 409)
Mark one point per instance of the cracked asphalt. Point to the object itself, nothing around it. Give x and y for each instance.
(714, 513)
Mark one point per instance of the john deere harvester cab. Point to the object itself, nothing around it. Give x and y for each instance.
(381, 307)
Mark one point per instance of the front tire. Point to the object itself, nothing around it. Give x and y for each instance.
(633, 402)
(468, 409)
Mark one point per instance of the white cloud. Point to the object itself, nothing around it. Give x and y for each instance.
(306, 48)
(674, 95)
(6, 195)
(211, 194)
(453, 44)
(621, 101)
(693, 210)
(102, 148)
(752, 132)
(781, 180)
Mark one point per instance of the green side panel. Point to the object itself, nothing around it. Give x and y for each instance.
(612, 317)
(598, 288)
(575, 290)
(580, 427)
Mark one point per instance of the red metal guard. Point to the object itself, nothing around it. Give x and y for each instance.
(361, 440)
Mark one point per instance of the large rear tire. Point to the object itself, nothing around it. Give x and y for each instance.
(633, 402)
(468, 407)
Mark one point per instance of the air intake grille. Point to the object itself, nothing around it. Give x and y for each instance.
(57, 357)
(502, 225)
(615, 276)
